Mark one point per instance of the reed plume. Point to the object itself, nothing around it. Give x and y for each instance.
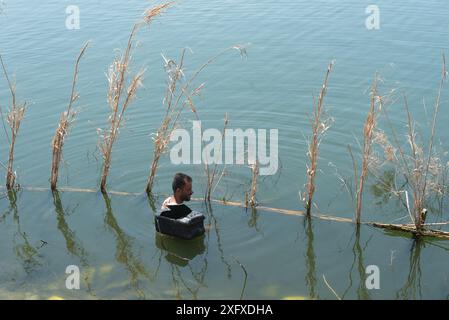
(178, 95)
(67, 117)
(367, 148)
(175, 73)
(319, 128)
(122, 91)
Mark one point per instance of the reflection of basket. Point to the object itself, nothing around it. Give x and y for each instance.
(187, 227)
(179, 251)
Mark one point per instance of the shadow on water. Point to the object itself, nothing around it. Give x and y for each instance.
(152, 202)
(124, 250)
(412, 288)
(73, 244)
(214, 225)
(252, 222)
(358, 262)
(191, 267)
(179, 253)
(310, 259)
(188, 259)
(24, 250)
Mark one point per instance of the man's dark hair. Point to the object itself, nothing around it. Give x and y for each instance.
(179, 181)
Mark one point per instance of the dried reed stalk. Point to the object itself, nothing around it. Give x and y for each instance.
(118, 78)
(67, 117)
(161, 140)
(178, 95)
(319, 128)
(211, 175)
(419, 209)
(368, 136)
(253, 190)
(14, 119)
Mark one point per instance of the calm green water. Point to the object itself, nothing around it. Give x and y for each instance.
(113, 240)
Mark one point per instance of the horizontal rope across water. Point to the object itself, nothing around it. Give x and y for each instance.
(228, 203)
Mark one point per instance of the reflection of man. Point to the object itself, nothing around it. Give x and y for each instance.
(182, 190)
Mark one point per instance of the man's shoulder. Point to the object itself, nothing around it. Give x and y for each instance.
(169, 200)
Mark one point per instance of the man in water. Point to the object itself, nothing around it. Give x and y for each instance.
(182, 190)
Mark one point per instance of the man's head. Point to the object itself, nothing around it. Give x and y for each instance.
(182, 187)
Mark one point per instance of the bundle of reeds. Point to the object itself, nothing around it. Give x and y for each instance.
(319, 128)
(14, 119)
(122, 90)
(67, 117)
(421, 167)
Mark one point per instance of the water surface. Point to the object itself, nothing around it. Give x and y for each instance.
(113, 240)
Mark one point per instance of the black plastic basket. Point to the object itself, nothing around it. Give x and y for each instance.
(185, 227)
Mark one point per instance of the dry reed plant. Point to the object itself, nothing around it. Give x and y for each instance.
(178, 95)
(174, 72)
(210, 174)
(422, 167)
(367, 147)
(67, 117)
(14, 119)
(122, 90)
(368, 136)
(319, 128)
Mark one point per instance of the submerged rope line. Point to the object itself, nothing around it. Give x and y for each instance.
(403, 227)
(222, 202)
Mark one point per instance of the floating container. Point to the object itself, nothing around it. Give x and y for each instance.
(180, 221)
